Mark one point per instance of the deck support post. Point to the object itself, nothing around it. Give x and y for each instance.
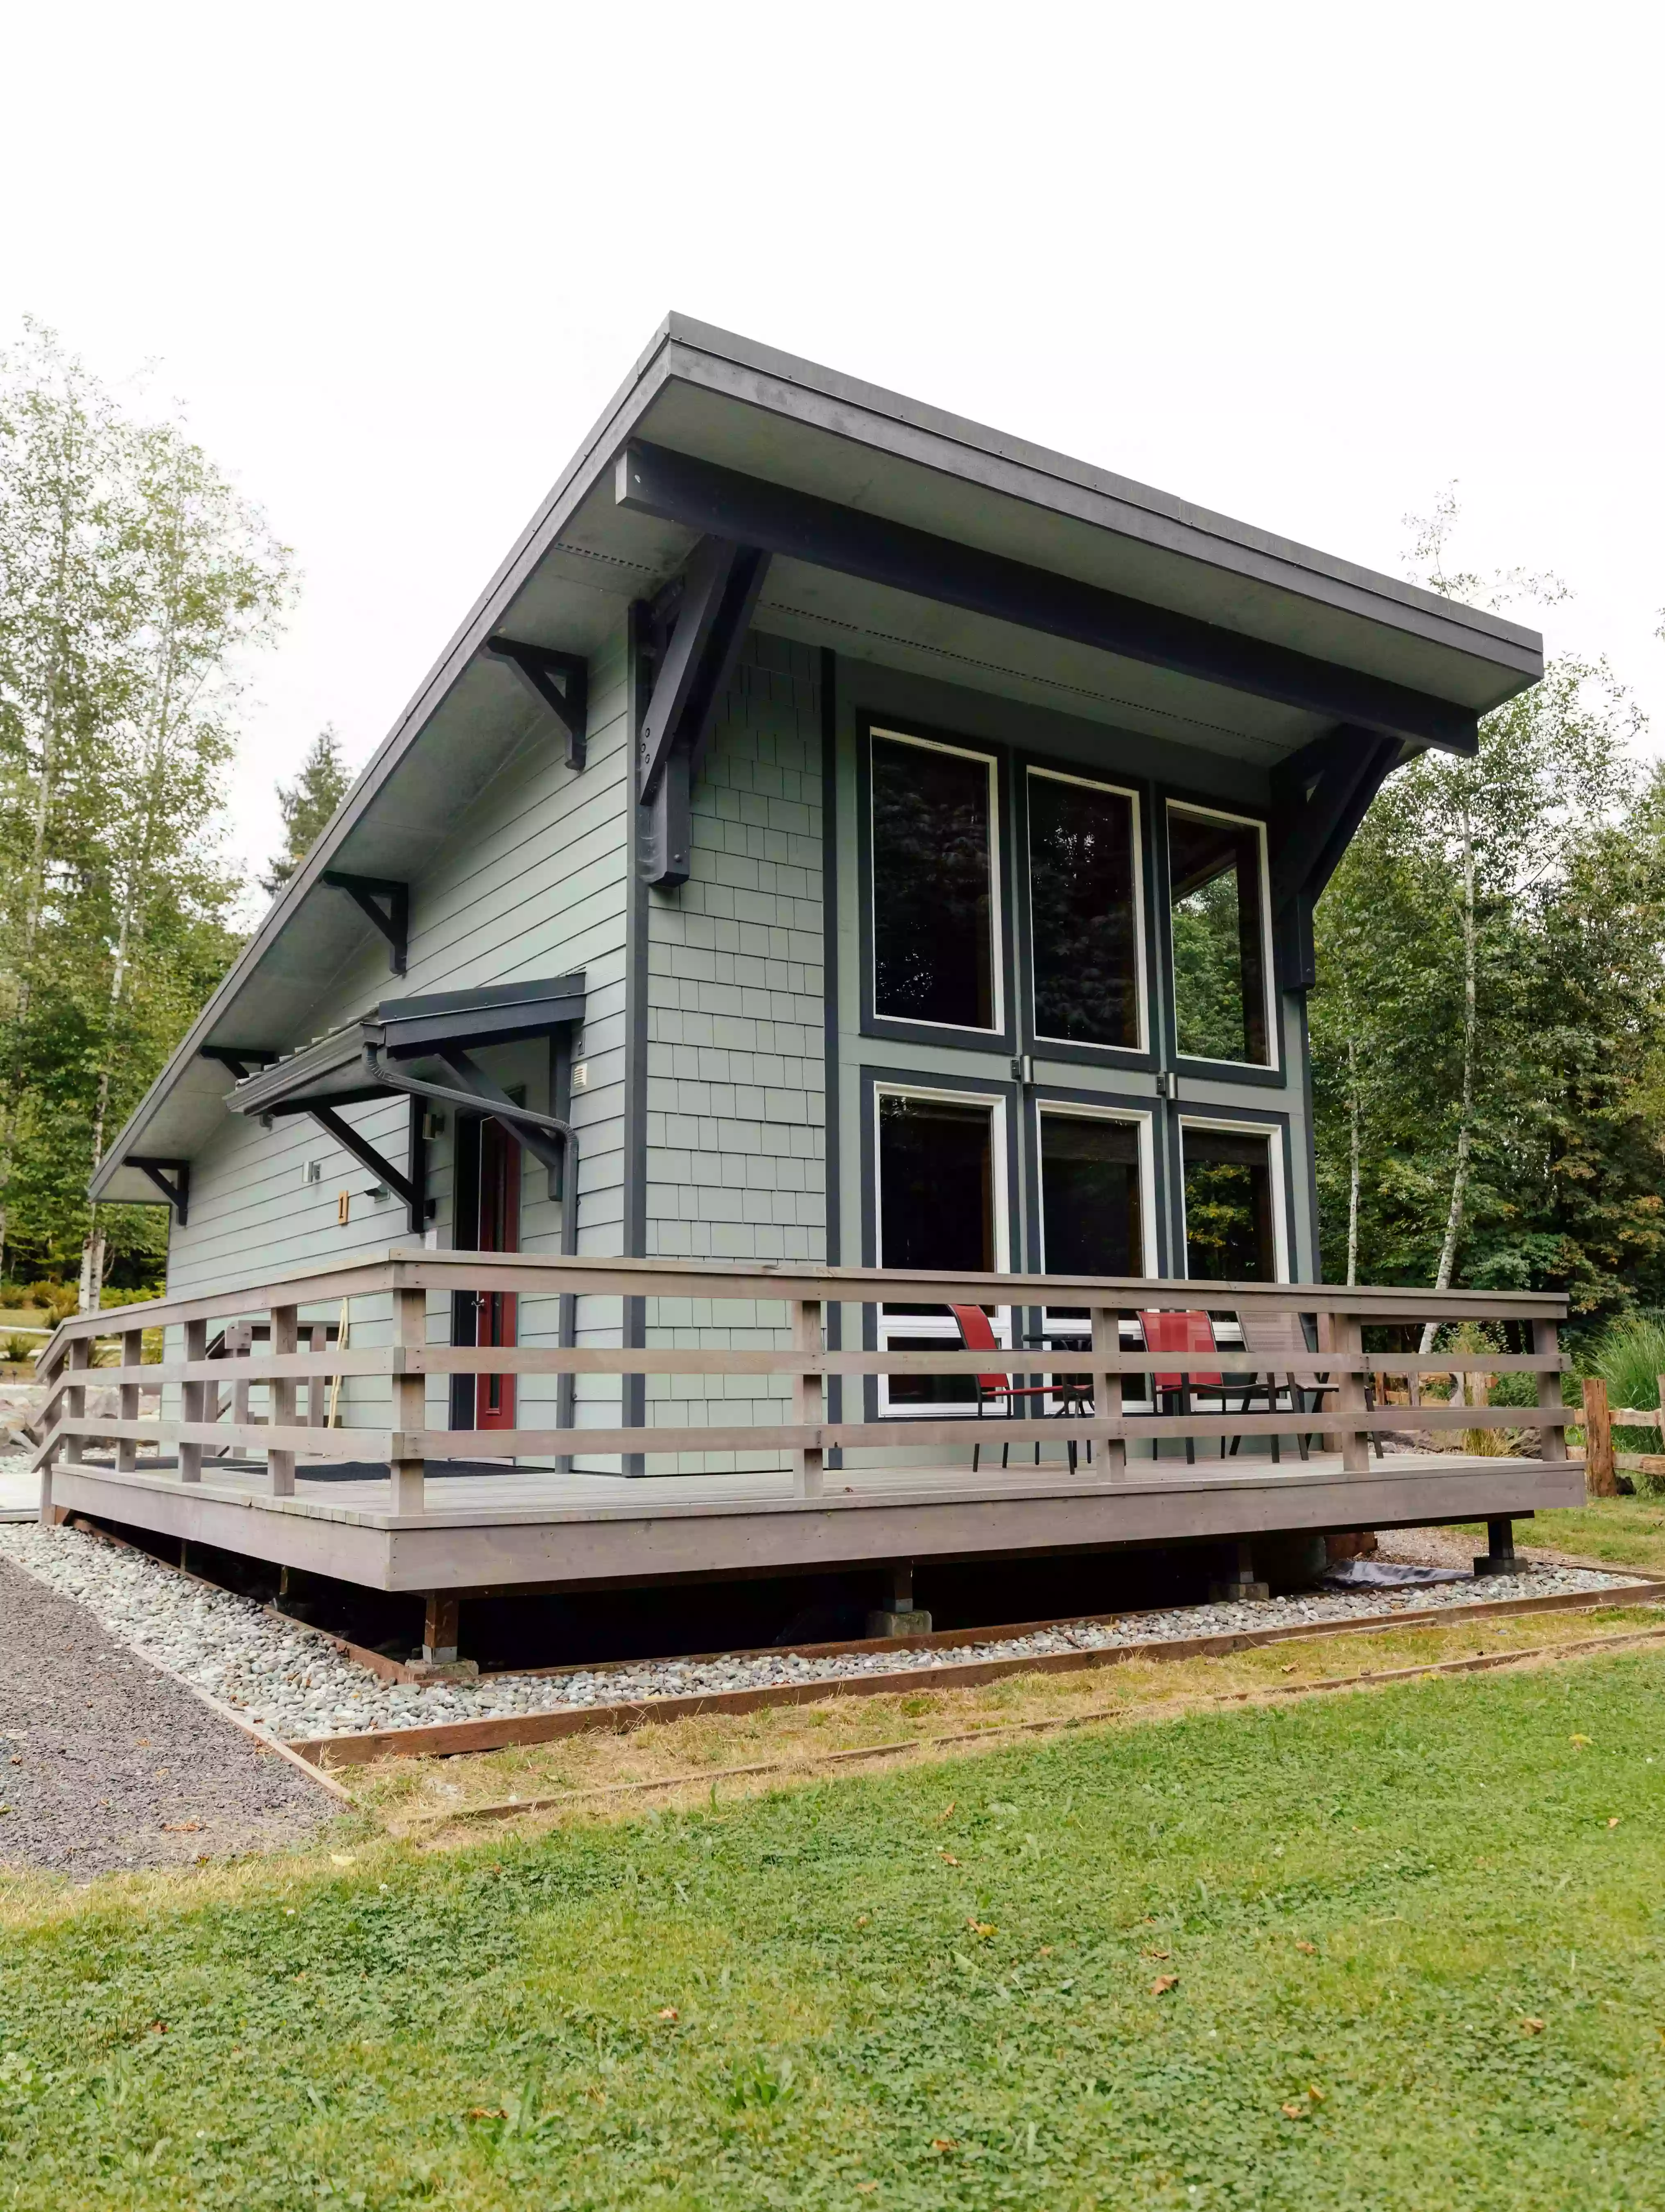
(1242, 1584)
(132, 1355)
(902, 1617)
(410, 1397)
(807, 1401)
(192, 1396)
(1547, 1342)
(280, 1402)
(1345, 1335)
(1105, 1387)
(1500, 1558)
(439, 1628)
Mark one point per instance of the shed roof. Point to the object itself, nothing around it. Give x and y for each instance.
(790, 426)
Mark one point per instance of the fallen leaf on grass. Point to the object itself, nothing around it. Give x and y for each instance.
(981, 1927)
(1296, 2112)
(669, 2012)
(944, 2143)
(180, 1828)
(866, 2188)
(488, 2112)
(158, 2027)
(1155, 1954)
(1579, 1742)
(947, 1856)
(1614, 1823)
(945, 1812)
(1290, 1669)
(1163, 1984)
(1532, 2025)
(861, 1921)
(1302, 1944)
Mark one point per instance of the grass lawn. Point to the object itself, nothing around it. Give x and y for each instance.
(1628, 1532)
(1418, 1939)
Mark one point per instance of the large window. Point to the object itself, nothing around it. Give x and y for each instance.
(1231, 1205)
(1092, 1196)
(1084, 911)
(1217, 917)
(936, 921)
(936, 1209)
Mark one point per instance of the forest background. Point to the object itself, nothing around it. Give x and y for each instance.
(1488, 1030)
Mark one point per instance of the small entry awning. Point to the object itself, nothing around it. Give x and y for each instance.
(375, 1057)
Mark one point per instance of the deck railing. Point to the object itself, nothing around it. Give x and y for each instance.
(818, 1308)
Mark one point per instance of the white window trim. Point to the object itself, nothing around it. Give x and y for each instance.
(1141, 980)
(1271, 1133)
(996, 915)
(1268, 982)
(999, 1181)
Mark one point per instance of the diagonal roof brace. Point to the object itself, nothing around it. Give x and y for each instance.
(560, 680)
(1320, 797)
(692, 635)
(366, 1154)
(176, 1192)
(477, 1092)
(393, 921)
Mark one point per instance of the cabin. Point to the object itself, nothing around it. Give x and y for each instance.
(821, 955)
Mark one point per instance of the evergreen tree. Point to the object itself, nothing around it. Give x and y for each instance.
(309, 804)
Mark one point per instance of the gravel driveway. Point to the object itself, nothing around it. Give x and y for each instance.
(105, 1763)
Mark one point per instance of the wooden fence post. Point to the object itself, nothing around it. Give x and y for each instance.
(280, 1402)
(1600, 1475)
(808, 1397)
(410, 1397)
(75, 1399)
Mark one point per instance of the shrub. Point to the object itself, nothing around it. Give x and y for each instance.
(12, 1294)
(55, 1299)
(17, 1349)
(1629, 1358)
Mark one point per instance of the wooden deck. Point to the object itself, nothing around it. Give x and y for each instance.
(391, 1512)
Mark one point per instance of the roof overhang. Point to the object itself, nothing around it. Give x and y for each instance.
(892, 468)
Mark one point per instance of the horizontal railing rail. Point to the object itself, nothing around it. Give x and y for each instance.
(1084, 1368)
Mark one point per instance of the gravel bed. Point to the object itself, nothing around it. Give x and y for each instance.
(282, 1677)
(107, 1763)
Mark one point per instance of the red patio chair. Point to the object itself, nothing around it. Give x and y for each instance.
(1166, 1330)
(977, 1334)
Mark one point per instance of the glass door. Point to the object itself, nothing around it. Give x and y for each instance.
(937, 1208)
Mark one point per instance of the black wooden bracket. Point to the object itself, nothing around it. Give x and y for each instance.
(241, 1059)
(1319, 798)
(542, 1146)
(392, 920)
(178, 1192)
(692, 635)
(703, 496)
(560, 680)
(368, 1157)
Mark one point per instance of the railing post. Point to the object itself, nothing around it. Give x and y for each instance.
(132, 1355)
(1105, 1386)
(1547, 1340)
(410, 1397)
(280, 1402)
(1346, 1336)
(75, 1399)
(808, 1397)
(193, 1399)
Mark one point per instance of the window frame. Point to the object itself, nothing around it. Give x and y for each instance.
(882, 1325)
(1052, 1047)
(1144, 1119)
(1270, 1069)
(1275, 1132)
(906, 1028)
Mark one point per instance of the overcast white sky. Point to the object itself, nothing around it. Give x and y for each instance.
(1303, 265)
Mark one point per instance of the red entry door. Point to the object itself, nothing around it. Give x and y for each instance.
(500, 1231)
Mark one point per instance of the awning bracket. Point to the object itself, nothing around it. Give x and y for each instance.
(368, 1157)
(178, 1192)
(477, 1093)
(367, 893)
(1320, 797)
(560, 680)
(240, 1058)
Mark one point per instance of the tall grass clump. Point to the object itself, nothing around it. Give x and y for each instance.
(1629, 1358)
